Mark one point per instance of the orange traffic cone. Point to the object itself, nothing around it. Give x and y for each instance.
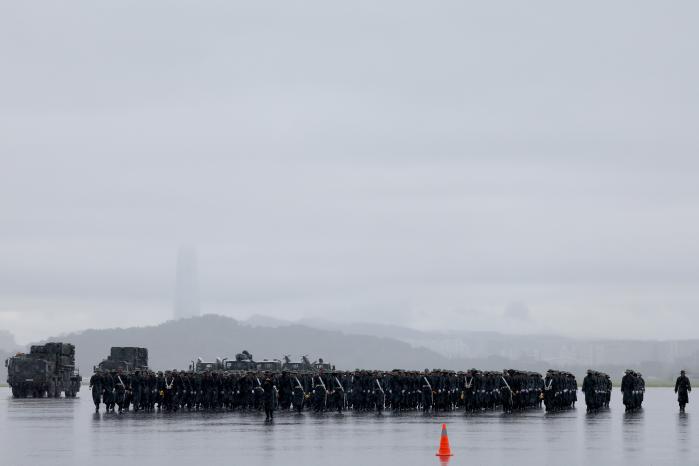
(444, 449)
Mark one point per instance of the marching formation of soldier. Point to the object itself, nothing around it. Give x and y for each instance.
(514, 390)
(632, 388)
(560, 390)
(371, 391)
(368, 391)
(597, 388)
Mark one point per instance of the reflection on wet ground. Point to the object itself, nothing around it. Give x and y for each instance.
(56, 432)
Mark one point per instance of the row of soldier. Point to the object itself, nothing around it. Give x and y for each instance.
(325, 391)
(597, 387)
(633, 387)
(514, 390)
(560, 390)
(473, 391)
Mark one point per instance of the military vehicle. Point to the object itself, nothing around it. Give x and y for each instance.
(321, 365)
(47, 371)
(125, 358)
(243, 362)
(201, 366)
(306, 365)
(303, 366)
(272, 365)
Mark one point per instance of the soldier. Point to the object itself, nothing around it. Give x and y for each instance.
(258, 396)
(627, 389)
(168, 393)
(338, 393)
(96, 387)
(270, 397)
(121, 390)
(285, 391)
(427, 393)
(245, 389)
(160, 390)
(320, 394)
(149, 391)
(379, 395)
(505, 392)
(682, 388)
(108, 385)
(299, 395)
(136, 390)
(589, 389)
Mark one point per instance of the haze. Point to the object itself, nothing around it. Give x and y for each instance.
(512, 166)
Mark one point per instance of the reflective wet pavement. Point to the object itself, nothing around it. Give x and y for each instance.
(58, 432)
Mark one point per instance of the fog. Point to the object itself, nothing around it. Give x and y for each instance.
(509, 166)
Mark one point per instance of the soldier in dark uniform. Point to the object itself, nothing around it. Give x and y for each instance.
(589, 389)
(149, 391)
(136, 390)
(285, 390)
(96, 386)
(244, 392)
(120, 390)
(160, 390)
(627, 389)
(258, 396)
(177, 389)
(338, 393)
(168, 394)
(682, 388)
(299, 394)
(269, 397)
(320, 394)
(379, 395)
(505, 390)
(427, 392)
(108, 384)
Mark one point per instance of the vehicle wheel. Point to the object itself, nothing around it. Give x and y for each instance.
(15, 392)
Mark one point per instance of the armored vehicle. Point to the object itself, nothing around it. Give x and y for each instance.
(303, 366)
(321, 365)
(202, 366)
(272, 365)
(126, 358)
(306, 365)
(243, 362)
(47, 371)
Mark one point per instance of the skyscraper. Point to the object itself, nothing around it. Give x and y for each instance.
(186, 287)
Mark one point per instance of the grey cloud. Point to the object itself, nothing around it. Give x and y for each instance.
(393, 161)
(517, 311)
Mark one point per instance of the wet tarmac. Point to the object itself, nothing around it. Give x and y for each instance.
(66, 431)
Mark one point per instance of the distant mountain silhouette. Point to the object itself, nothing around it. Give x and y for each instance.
(173, 344)
(493, 350)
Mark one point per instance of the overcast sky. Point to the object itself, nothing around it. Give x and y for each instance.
(512, 166)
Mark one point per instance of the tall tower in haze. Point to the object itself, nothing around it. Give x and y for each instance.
(186, 287)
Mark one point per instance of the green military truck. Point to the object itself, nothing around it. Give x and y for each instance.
(46, 371)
